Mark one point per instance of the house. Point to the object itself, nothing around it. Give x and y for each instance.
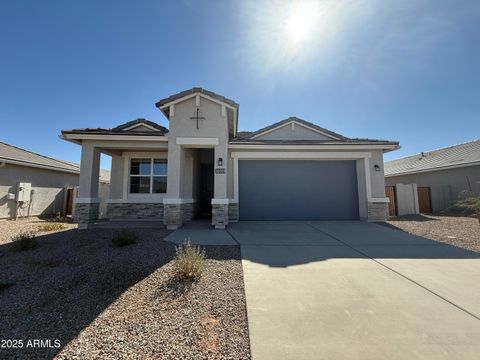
(203, 166)
(46, 185)
(442, 176)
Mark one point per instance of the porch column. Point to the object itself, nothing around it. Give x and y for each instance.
(172, 204)
(87, 202)
(220, 200)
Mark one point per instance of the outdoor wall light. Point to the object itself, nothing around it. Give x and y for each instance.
(376, 167)
(220, 162)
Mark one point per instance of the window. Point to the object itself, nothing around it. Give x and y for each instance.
(148, 176)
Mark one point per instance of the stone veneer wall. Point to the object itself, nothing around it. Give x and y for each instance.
(86, 212)
(172, 215)
(377, 211)
(135, 211)
(233, 212)
(220, 214)
(188, 211)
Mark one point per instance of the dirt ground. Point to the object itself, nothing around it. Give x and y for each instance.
(461, 231)
(102, 301)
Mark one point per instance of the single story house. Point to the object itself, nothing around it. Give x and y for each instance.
(202, 165)
(442, 176)
(32, 184)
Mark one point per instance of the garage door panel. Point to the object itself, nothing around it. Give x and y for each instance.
(297, 190)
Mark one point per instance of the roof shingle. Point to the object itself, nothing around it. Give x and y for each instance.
(120, 129)
(462, 154)
(301, 121)
(29, 158)
(195, 90)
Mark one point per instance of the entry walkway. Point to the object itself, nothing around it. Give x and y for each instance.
(200, 232)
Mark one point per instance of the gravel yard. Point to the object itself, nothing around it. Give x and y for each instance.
(107, 302)
(9, 228)
(461, 231)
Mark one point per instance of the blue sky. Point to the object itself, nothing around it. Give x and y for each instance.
(400, 70)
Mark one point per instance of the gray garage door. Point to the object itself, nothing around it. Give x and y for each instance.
(297, 190)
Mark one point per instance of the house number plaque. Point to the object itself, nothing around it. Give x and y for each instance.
(220, 171)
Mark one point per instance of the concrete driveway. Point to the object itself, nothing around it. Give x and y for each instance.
(354, 290)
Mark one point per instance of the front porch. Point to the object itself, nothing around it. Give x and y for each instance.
(153, 183)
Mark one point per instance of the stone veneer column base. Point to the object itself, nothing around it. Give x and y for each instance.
(187, 210)
(233, 212)
(219, 215)
(172, 216)
(377, 211)
(86, 213)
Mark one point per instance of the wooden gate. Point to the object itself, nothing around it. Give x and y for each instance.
(392, 205)
(424, 202)
(69, 204)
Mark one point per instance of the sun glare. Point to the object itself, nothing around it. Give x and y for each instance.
(289, 35)
(301, 21)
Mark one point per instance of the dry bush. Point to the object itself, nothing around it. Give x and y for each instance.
(189, 261)
(25, 241)
(53, 226)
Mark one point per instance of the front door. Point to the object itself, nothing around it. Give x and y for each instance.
(206, 189)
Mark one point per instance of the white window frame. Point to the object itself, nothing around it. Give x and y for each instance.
(151, 175)
(142, 197)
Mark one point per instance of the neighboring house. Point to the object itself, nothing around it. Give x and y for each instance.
(51, 182)
(442, 175)
(202, 165)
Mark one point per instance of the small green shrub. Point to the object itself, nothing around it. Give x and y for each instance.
(124, 237)
(25, 241)
(468, 204)
(189, 261)
(54, 226)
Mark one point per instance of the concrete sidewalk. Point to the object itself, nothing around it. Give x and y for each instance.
(362, 291)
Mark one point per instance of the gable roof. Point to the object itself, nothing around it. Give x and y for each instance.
(466, 154)
(192, 91)
(24, 157)
(14, 155)
(124, 129)
(291, 119)
(251, 137)
(231, 106)
(138, 123)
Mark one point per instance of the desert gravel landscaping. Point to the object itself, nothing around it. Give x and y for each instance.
(10, 228)
(109, 302)
(461, 231)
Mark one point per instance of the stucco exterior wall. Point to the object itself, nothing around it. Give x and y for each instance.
(377, 178)
(117, 175)
(445, 185)
(297, 132)
(181, 158)
(48, 189)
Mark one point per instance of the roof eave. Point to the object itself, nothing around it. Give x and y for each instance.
(40, 166)
(63, 137)
(78, 136)
(439, 168)
(339, 145)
